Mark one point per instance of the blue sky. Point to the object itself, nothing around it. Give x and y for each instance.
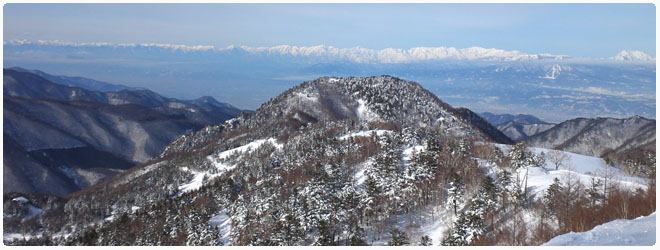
(579, 30)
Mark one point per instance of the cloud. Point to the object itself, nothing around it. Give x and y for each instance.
(601, 91)
(491, 99)
(107, 44)
(565, 96)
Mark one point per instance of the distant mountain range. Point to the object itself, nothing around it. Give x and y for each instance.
(355, 54)
(85, 83)
(552, 87)
(587, 136)
(595, 136)
(59, 139)
(517, 127)
(522, 119)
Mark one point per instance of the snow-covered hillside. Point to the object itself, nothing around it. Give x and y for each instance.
(637, 232)
(436, 220)
(583, 167)
(311, 167)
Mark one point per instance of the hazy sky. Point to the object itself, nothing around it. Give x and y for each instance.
(590, 30)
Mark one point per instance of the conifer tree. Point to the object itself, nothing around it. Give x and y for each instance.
(425, 241)
(455, 193)
(399, 238)
(356, 237)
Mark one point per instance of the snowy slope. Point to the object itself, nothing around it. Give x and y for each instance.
(581, 166)
(637, 232)
(220, 162)
(435, 220)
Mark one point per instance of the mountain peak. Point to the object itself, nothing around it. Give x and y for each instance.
(364, 99)
(633, 55)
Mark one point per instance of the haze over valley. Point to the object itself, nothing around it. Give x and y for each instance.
(485, 80)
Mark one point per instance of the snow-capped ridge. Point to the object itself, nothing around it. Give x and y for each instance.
(355, 54)
(398, 55)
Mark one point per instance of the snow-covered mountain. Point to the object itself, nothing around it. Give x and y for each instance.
(365, 99)
(355, 54)
(333, 161)
(392, 55)
(633, 55)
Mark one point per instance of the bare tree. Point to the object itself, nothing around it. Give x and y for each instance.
(559, 158)
(571, 194)
(607, 174)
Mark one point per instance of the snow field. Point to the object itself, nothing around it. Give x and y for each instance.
(219, 162)
(637, 232)
(222, 222)
(367, 133)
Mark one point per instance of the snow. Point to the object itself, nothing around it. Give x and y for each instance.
(333, 80)
(113, 213)
(366, 133)
(408, 152)
(582, 167)
(433, 220)
(633, 55)
(364, 113)
(637, 232)
(197, 181)
(307, 97)
(33, 211)
(222, 222)
(585, 167)
(355, 54)
(398, 55)
(554, 73)
(20, 199)
(219, 162)
(176, 105)
(437, 228)
(141, 172)
(110, 218)
(249, 147)
(14, 236)
(360, 177)
(218, 159)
